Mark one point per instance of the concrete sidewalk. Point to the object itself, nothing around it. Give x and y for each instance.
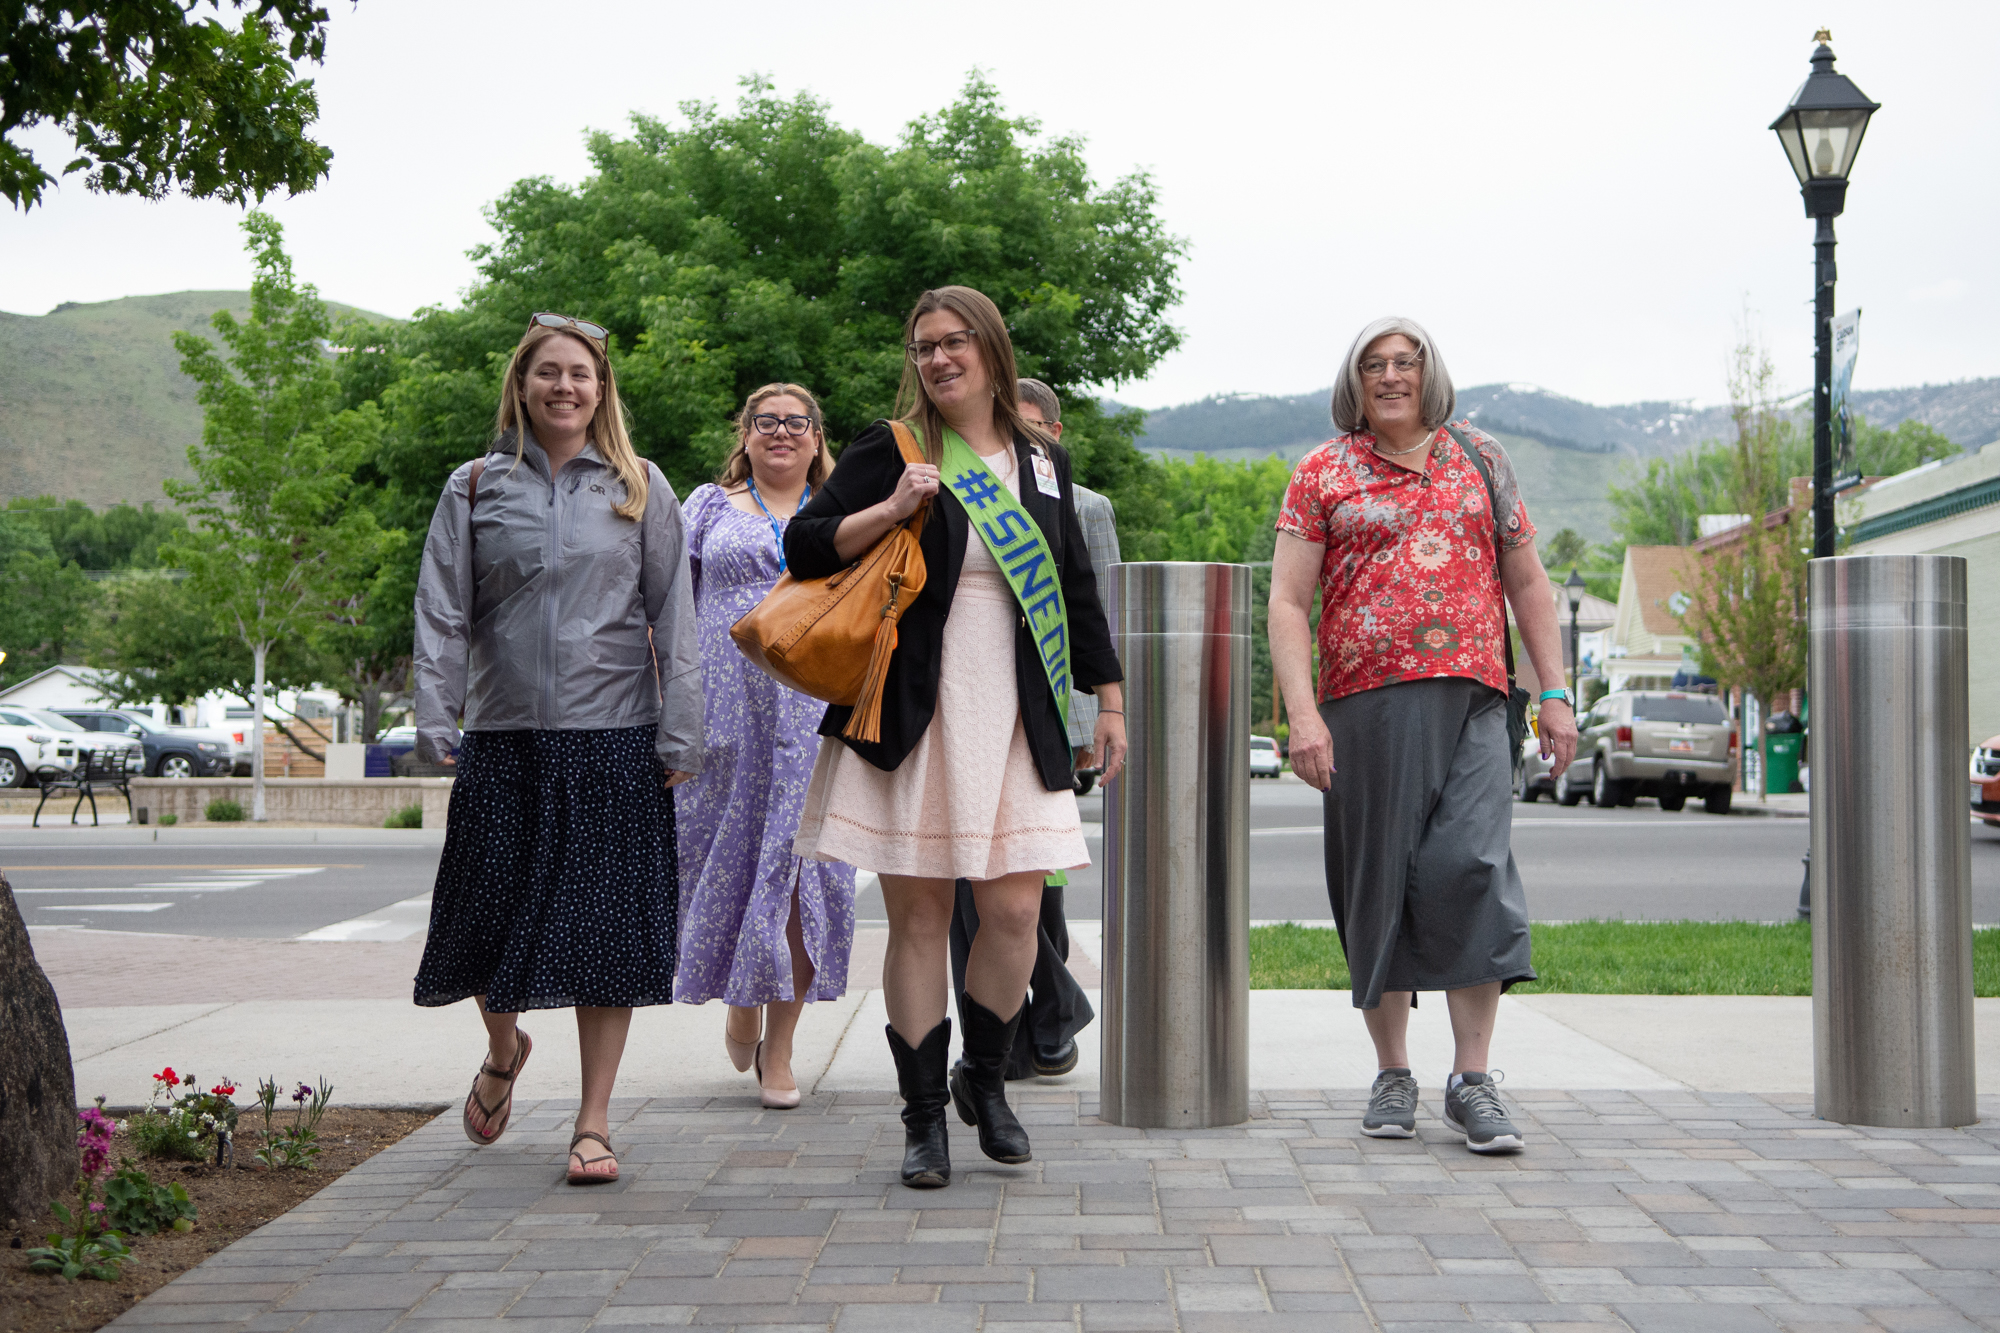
(300, 1010)
(1649, 1211)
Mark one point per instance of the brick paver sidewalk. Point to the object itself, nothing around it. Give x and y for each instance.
(1654, 1211)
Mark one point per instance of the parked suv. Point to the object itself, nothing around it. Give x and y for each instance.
(169, 753)
(30, 749)
(1666, 744)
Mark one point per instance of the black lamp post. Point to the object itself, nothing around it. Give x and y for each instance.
(1573, 589)
(1821, 132)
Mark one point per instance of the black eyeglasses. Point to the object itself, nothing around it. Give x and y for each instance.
(953, 343)
(589, 330)
(769, 424)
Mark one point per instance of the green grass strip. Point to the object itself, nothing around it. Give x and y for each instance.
(1613, 958)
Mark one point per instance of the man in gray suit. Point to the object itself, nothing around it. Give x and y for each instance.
(1045, 1043)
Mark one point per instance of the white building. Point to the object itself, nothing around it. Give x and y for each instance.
(1950, 507)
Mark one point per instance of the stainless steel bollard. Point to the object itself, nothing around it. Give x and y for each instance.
(1891, 851)
(1176, 999)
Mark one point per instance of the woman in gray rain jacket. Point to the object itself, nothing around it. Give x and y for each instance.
(554, 616)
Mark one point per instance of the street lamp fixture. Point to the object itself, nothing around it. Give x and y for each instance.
(1573, 587)
(1821, 133)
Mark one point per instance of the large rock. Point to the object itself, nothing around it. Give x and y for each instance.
(38, 1159)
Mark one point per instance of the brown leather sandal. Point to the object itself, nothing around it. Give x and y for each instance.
(581, 1174)
(504, 1109)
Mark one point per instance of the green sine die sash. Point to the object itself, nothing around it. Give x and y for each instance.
(1015, 542)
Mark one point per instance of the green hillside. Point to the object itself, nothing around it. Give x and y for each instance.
(93, 406)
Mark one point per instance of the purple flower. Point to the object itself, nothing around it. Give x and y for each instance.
(305, 1092)
(93, 1142)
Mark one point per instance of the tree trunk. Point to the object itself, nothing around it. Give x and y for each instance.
(257, 652)
(371, 712)
(37, 1083)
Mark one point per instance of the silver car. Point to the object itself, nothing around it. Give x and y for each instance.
(1532, 777)
(1665, 744)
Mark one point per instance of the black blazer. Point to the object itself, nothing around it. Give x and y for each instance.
(866, 475)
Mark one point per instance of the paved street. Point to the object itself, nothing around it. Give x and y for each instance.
(1638, 863)
(1660, 1212)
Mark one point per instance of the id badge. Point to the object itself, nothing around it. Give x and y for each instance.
(1045, 476)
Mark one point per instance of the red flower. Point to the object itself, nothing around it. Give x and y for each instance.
(223, 1090)
(168, 1077)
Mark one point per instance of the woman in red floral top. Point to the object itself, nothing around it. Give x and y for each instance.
(1393, 525)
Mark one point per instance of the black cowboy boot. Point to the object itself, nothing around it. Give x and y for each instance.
(979, 1084)
(920, 1076)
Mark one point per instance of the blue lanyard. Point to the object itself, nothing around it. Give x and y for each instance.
(777, 533)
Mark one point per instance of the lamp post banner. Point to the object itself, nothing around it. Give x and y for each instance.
(1846, 342)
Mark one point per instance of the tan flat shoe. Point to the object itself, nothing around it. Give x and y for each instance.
(741, 1053)
(770, 1097)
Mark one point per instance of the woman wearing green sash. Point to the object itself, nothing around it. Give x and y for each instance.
(971, 776)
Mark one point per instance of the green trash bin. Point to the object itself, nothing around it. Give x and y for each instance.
(1781, 761)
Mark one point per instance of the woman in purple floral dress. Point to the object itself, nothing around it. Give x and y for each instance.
(761, 929)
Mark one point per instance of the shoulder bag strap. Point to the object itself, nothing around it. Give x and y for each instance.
(912, 452)
(1493, 509)
(472, 487)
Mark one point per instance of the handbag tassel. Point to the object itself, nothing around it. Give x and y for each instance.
(866, 722)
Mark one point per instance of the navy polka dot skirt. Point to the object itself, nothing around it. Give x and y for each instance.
(557, 886)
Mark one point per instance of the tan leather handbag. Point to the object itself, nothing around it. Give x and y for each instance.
(831, 638)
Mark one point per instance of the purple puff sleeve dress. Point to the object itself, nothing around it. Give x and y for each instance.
(736, 819)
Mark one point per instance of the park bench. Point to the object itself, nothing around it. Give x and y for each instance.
(106, 768)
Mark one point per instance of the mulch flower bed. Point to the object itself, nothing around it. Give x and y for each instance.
(232, 1201)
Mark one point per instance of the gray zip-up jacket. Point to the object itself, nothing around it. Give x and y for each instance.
(542, 609)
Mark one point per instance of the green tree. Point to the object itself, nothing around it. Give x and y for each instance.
(46, 605)
(1882, 452)
(158, 99)
(1228, 511)
(1567, 549)
(1747, 607)
(276, 548)
(736, 249)
(122, 537)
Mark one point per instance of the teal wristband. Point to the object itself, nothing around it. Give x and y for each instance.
(1556, 694)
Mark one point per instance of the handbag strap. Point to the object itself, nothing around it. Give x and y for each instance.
(472, 485)
(912, 452)
(1493, 509)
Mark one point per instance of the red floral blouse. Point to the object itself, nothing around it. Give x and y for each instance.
(1407, 587)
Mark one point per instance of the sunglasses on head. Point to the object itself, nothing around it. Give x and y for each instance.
(595, 332)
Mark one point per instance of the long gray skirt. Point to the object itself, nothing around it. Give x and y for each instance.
(1419, 821)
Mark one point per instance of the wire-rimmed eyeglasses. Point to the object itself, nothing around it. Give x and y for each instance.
(1375, 367)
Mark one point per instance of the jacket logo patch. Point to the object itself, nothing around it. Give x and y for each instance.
(597, 488)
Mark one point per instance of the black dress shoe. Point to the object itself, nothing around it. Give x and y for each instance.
(920, 1076)
(1056, 1063)
(979, 1082)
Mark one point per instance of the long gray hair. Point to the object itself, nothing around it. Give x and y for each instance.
(1436, 399)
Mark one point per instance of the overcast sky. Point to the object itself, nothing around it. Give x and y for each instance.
(1583, 197)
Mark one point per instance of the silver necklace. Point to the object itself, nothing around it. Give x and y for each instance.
(1398, 453)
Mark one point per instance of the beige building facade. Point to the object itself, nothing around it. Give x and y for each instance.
(1951, 507)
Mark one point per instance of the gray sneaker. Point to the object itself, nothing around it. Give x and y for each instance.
(1392, 1106)
(1473, 1107)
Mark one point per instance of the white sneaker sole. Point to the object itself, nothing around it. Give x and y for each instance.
(1498, 1143)
(1389, 1132)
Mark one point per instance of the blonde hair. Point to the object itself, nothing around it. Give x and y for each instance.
(1436, 399)
(736, 469)
(607, 427)
(996, 353)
